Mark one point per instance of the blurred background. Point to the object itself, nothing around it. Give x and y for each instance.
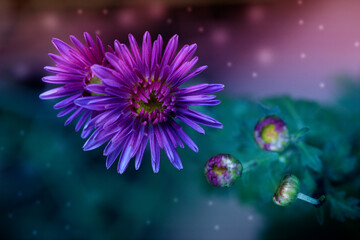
(51, 189)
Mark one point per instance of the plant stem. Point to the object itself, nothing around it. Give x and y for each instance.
(308, 199)
(248, 166)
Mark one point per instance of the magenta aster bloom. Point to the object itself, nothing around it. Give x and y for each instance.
(222, 170)
(73, 72)
(141, 99)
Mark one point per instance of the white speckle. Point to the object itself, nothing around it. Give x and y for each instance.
(265, 56)
(126, 18)
(321, 27)
(210, 203)
(105, 11)
(37, 202)
(250, 217)
(67, 227)
(69, 172)
(300, 2)
(34, 232)
(157, 10)
(201, 29)
(50, 21)
(301, 22)
(97, 32)
(10, 215)
(68, 204)
(79, 11)
(148, 222)
(357, 44)
(256, 14)
(48, 165)
(20, 193)
(303, 55)
(229, 64)
(322, 85)
(169, 21)
(176, 200)
(220, 36)
(2, 148)
(22, 132)
(254, 75)
(189, 9)
(216, 227)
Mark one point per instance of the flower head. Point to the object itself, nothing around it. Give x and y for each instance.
(73, 72)
(141, 99)
(271, 134)
(287, 191)
(222, 170)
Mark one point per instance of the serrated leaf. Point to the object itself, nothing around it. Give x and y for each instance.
(300, 133)
(342, 207)
(310, 156)
(337, 157)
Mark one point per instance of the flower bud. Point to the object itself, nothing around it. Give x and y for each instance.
(271, 134)
(287, 190)
(222, 170)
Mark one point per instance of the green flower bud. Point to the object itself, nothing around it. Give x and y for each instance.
(287, 190)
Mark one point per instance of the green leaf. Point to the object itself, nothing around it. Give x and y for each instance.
(338, 159)
(266, 111)
(310, 156)
(342, 207)
(300, 133)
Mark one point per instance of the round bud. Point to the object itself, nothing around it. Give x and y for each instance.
(222, 170)
(287, 190)
(271, 134)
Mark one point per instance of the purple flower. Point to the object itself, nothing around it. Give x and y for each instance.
(73, 72)
(271, 134)
(141, 100)
(222, 170)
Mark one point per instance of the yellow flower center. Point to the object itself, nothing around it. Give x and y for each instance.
(268, 133)
(219, 170)
(152, 104)
(95, 80)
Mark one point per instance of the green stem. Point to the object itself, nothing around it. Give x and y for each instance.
(250, 165)
(308, 199)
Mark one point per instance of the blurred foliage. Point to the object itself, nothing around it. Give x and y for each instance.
(323, 153)
(51, 189)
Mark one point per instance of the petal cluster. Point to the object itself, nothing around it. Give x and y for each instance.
(137, 100)
(73, 72)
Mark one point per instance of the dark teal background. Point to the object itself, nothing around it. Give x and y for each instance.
(260, 50)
